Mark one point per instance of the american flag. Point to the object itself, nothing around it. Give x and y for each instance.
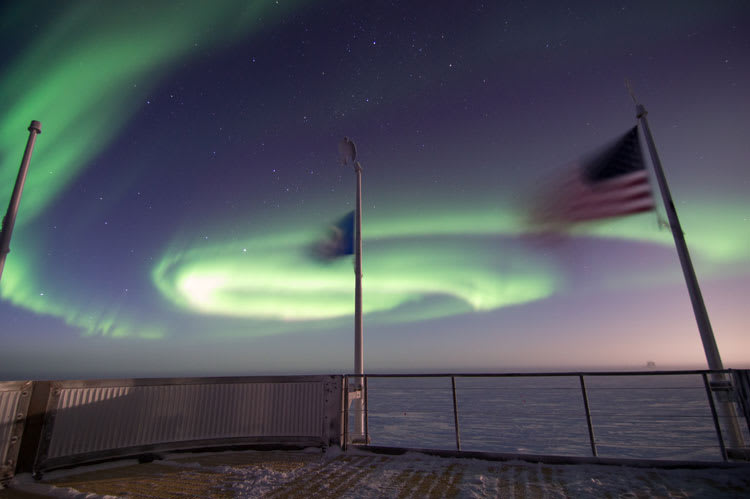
(612, 183)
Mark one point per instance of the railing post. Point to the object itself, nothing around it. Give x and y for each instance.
(455, 413)
(33, 432)
(367, 415)
(741, 382)
(715, 416)
(346, 412)
(588, 415)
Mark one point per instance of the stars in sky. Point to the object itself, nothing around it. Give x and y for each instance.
(220, 147)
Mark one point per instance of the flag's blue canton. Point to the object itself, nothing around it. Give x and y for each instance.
(622, 158)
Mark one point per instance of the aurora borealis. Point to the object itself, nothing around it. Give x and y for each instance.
(187, 162)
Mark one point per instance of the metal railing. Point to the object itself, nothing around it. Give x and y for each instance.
(49, 424)
(53, 424)
(642, 414)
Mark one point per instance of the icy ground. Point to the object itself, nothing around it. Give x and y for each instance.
(360, 474)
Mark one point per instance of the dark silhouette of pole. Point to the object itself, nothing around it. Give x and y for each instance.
(15, 200)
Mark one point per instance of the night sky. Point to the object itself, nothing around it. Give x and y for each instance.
(188, 161)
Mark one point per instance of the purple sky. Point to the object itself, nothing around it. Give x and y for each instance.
(188, 160)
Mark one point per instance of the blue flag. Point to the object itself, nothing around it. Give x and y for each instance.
(338, 242)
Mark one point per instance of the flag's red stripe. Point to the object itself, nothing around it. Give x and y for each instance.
(611, 210)
(622, 181)
(614, 206)
(622, 196)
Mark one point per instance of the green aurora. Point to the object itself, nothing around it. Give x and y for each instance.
(464, 258)
(408, 259)
(417, 265)
(85, 79)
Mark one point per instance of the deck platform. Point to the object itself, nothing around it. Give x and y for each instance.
(298, 474)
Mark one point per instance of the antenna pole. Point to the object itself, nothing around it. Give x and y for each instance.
(15, 200)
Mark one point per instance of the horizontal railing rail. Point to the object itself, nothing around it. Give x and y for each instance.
(543, 374)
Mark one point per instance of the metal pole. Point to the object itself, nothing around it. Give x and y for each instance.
(588, 415)
(455, 413)
(358, 351)
(696, 298)
(741, 380)
(726, 409)
(367, 414)
(15, 200)
(345, 443)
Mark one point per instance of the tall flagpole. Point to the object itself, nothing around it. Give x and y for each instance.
(15, 200)
(359, 414)
(696, 297)
(348, 154)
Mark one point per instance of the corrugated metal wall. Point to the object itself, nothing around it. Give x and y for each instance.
(14, 400)
(86, 418)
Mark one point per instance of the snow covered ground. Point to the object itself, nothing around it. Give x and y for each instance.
(361, 474)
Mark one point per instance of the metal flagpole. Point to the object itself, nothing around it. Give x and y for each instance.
(359, 413)
(713, 358)
(347, 154)
(15, 200)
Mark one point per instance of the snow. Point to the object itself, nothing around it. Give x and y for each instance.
(365, 475)
(362, 474)
(25, 483)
